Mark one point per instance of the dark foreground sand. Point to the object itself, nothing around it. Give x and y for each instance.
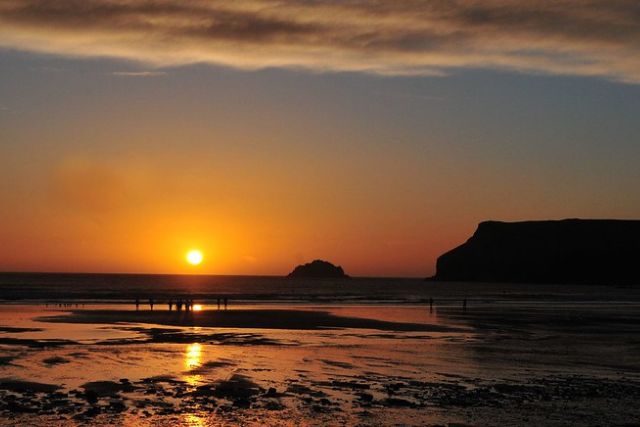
(249, 318)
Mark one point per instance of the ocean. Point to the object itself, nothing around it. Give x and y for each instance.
(15, 287)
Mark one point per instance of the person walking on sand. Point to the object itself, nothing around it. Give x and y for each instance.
(218, 303)
(137, 304)
(170, 304)
(179, 304)
(225, 303)
(431, 305)
(151, 303)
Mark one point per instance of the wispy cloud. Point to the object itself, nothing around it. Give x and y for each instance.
(138, 73)
(575, 37)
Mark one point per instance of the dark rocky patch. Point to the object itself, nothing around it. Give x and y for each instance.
(40, 343)
(107, 388)
(236, 388)
(17, 330)
(162, 379)
(7, 360)
(164, 396)
(301, 389)
(55, 360)
(20, 386)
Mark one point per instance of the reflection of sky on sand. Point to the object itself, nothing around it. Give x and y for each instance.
(26, 316)
(313, 358)
(315, 354)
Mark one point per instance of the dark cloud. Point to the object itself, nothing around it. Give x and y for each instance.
(578, 37)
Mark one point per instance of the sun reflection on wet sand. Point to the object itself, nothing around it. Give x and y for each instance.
(193, 420)
(192, 360)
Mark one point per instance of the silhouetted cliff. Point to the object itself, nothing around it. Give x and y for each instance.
(318, 268)
(568, 251)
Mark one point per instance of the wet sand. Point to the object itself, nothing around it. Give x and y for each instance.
(243, 318)
(512, 364)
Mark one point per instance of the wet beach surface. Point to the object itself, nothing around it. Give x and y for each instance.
(536, 362)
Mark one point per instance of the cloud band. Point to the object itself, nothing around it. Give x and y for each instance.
(573, 37)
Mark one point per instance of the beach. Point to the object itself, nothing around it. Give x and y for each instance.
(319, 213)
(542, 360)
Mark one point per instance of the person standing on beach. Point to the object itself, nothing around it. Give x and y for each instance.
(151, 303)
(464, 304)
(179, 304)
(170, 305)
(225, 303)
(137, 304)
(218, 303)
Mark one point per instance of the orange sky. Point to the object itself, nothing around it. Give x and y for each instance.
(267, 134)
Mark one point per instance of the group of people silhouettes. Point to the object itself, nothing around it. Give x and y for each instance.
(180, 303)
(63, 305)
(187, 303)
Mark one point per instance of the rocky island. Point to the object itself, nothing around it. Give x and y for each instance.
(570, 251)
(318, 269)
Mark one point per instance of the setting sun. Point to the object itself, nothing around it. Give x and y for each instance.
(194, 257)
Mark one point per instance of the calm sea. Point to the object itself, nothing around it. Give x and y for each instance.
(16, 287)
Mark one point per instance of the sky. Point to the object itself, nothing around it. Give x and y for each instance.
(373, 134)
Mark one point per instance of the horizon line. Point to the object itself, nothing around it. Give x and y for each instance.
(203, 274)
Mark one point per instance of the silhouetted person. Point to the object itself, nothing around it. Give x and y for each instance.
(225, 303)
(137, 304)
(431, 305)
(464, 304)
(170, 305)
(179, 304)
(151, 303)
(218, 303)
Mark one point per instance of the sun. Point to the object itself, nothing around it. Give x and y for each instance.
(194, 257)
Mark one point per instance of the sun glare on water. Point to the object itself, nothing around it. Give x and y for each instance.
(194, 257)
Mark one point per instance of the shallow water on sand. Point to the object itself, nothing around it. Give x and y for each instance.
(496, 363)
